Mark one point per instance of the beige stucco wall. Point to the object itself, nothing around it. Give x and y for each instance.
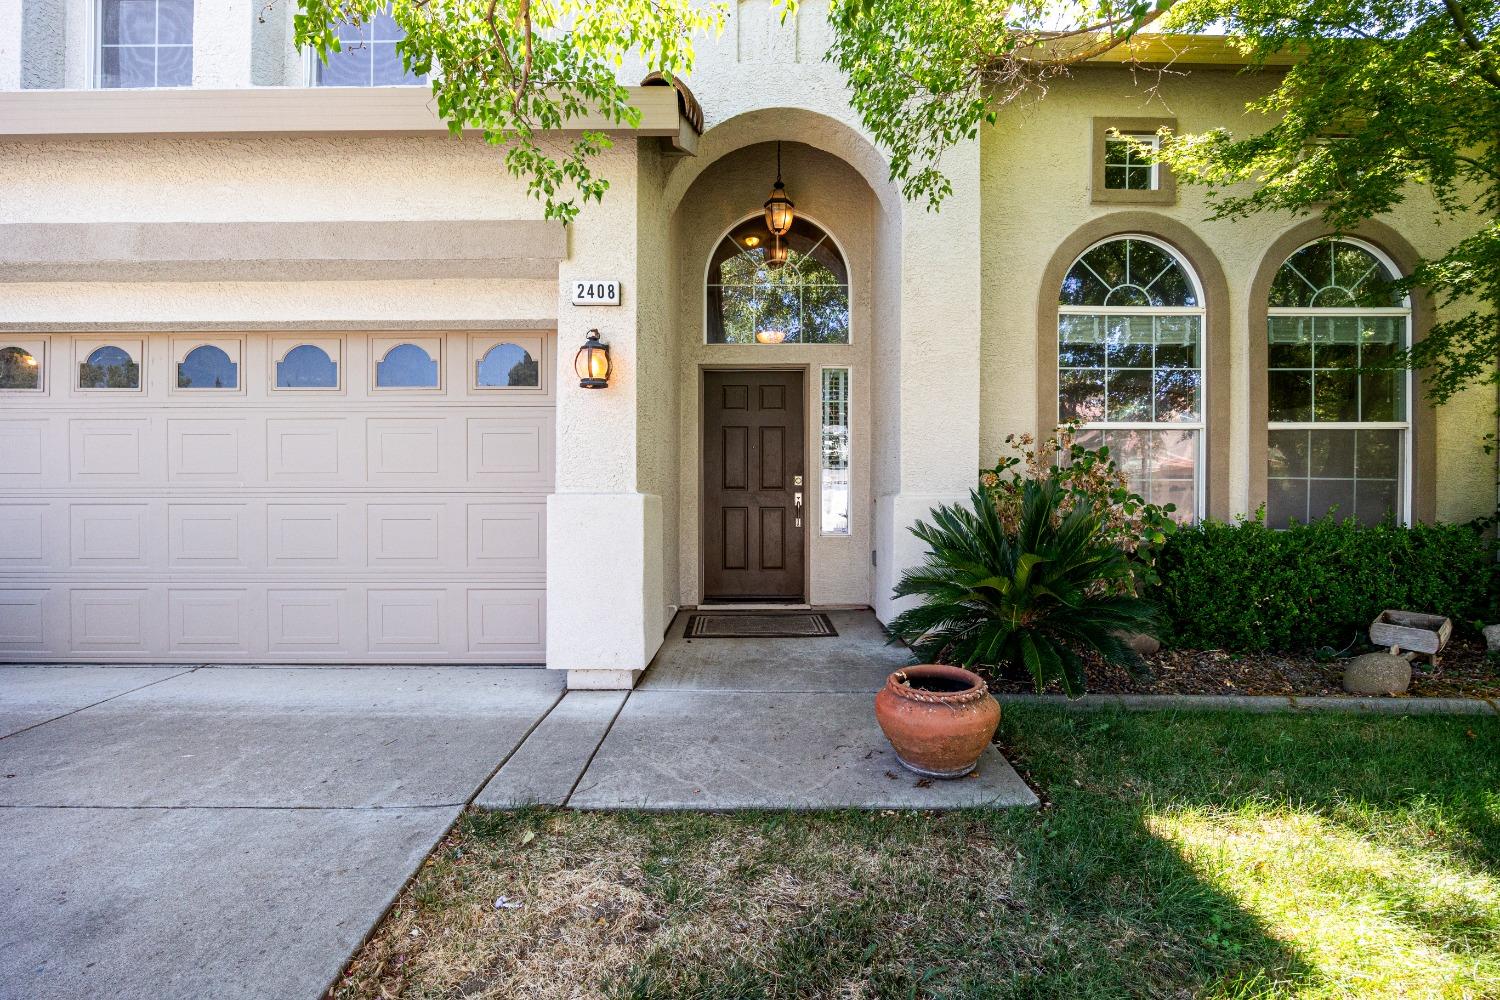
(1036, 192)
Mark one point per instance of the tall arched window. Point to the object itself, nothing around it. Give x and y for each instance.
(768, 290)
(1130, 365)
(1338, 432)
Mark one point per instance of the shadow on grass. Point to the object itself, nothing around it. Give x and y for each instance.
(1156, 870)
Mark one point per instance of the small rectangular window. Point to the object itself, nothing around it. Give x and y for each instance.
(834, 450)
(402, 363)
(367, 57)
(1127, 162)
(145, 43)
(507, 361)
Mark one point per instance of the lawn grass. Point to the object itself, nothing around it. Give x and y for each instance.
(1177, 855)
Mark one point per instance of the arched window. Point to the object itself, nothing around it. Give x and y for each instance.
(307, 366)
(1130, 365)
(1338, 433)
(768, 290)
(109, 367)
(19, 369)
(406, 366)
(207, 367)
(507, 366)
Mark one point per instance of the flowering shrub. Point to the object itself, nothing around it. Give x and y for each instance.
(1083, 475)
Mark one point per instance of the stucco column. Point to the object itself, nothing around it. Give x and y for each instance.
(604, 548)
(933, 407)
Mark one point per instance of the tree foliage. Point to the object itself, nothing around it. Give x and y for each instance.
(1387, 97)
(516, 69)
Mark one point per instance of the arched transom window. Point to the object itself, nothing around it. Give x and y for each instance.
(764, 289)
(1338, 430)
(1130, 365)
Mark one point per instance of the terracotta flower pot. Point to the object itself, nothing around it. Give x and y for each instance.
(938, 718)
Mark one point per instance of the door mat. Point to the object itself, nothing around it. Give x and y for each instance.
(773, 625)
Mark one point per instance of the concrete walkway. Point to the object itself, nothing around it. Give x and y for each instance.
(741, 724)
(236, 832)
(228, 832)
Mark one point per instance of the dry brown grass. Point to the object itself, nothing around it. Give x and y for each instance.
(600, 894)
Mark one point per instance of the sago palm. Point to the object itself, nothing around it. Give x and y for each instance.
(1038, 596)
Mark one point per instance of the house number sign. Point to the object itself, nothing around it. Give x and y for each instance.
(596, 293)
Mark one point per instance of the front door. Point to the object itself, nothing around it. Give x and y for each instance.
(754, 543)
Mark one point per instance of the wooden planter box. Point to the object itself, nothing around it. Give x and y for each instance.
(1411, 630)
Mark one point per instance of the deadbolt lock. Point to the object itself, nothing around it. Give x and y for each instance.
(796, 480)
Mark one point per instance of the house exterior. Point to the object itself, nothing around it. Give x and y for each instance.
(287, 371)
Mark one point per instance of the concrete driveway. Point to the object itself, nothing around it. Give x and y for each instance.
(228, 832)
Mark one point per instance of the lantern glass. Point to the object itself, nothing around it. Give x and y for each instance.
(776, 253)
(779, 210)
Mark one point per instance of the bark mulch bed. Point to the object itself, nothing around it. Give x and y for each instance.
(1464, 671)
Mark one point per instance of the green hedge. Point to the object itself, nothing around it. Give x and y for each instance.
(1245, 587)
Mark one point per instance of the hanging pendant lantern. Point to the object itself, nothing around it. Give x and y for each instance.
(780, 211)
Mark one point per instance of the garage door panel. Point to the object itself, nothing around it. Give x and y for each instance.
(212, 622)
(24, 619)
(405, 534)
(316, 535)
(312, 451)
(209, 536)
(117, 450)
(203, 450)
(507, 622)
(24, 444)
(111, 535)
(29, 535)
(508, 538)
(513, 451)
(350, 525)
(309, 622)
(117, 620)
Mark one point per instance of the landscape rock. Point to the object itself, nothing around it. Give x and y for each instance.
(1492, 638)
(1142, 643)
(1377, 673)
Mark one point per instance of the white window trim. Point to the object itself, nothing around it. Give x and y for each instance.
(310, 62)
(382, 346)
(1149, 139)
(132, 346)
(1200, 426)
(534, 344)
(848, 371)
(1404, 515)
(232, 346)
(94, 43)
(708, 263)
(280, 347)
(39, 349)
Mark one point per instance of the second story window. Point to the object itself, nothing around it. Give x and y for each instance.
(145, 43)
(367, 57)
(1127, 162)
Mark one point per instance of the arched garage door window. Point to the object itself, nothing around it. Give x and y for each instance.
(1130, 365)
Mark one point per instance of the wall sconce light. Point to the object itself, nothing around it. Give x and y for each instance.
(591, 363)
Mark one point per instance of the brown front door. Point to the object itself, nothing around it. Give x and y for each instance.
(753, 485)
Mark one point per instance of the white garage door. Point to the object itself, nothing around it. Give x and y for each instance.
(275, 498)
